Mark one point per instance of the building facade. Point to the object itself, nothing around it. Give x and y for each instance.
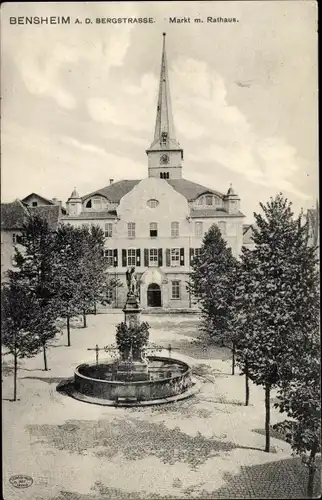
(13, 216)
(157, 224)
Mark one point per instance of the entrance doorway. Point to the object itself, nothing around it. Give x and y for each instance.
(154, 295)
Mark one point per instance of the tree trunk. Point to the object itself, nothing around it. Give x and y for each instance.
(233, 359)
(312, 469)
(15, 371)
(267, 417)
(95, 309)
(68, 331)
(45, 357)
(84, 319)
(246, 385)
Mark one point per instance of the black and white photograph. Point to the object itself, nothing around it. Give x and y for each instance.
(160, 233)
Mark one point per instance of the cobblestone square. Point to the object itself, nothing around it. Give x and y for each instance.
(208, 446)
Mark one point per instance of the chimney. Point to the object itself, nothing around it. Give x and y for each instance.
(111, 181)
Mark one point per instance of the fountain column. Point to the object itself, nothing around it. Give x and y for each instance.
(133, 366)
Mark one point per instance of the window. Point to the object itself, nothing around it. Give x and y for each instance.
(108, 230)
(209, 199)
(197, 252)
(34, 204)
(16, 238)
(131, 257)
(152, 203)
(109, 254)
(153, 230)
(175, 290)
(153, 257)
(222, 227)
(109, 295)
(175, 256)
(174, 229)
(200, 200)
(72, 208)
(164, 175)
(164, 138)
(217, 200)
(198, 229)
(97, 202)
(131, 230)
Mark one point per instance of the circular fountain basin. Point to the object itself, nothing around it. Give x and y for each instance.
(168, 380)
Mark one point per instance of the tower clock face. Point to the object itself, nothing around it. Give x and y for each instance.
(164, 159)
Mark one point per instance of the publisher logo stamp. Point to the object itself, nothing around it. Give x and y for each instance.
(21, 481)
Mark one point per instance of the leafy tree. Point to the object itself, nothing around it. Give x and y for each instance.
(300, 398)
(69, 272)
(94, 266)
(276, 289)
(34, 270)
(212, 282)
(17, 335)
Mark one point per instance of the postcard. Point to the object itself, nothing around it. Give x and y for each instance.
(159, 235)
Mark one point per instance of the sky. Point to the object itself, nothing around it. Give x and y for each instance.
(79, 100)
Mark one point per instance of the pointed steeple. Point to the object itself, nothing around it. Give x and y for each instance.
(165, 153)
(164, 119)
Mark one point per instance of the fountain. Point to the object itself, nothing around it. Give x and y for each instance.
(134, 378)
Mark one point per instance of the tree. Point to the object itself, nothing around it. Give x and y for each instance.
(300, 398)
(212, 282)
(94, 269)
(276, 288)
(17, 335)
(68, 274)
(34, 270)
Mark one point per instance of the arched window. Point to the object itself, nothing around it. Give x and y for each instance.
(97, 203)
(153, 203)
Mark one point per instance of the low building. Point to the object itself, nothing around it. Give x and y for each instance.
(13, 217)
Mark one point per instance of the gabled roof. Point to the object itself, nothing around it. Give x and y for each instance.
(51, 213)
(50, 202)
(114, 192)
(191, 190)
(13, 215)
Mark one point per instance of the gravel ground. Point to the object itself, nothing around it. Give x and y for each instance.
(209, 446)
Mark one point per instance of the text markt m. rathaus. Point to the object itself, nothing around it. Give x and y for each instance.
(209, 19)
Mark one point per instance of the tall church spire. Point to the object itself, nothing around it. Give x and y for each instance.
(165, 153)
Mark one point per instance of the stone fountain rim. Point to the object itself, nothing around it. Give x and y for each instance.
(138, 382)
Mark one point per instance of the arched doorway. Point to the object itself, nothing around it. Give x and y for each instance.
(154, 295)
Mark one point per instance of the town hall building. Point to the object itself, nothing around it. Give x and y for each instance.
(157, 224)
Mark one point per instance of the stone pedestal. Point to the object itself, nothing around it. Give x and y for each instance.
(132, 310)
(136, 368)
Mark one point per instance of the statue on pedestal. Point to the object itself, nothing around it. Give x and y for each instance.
(131, 282)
